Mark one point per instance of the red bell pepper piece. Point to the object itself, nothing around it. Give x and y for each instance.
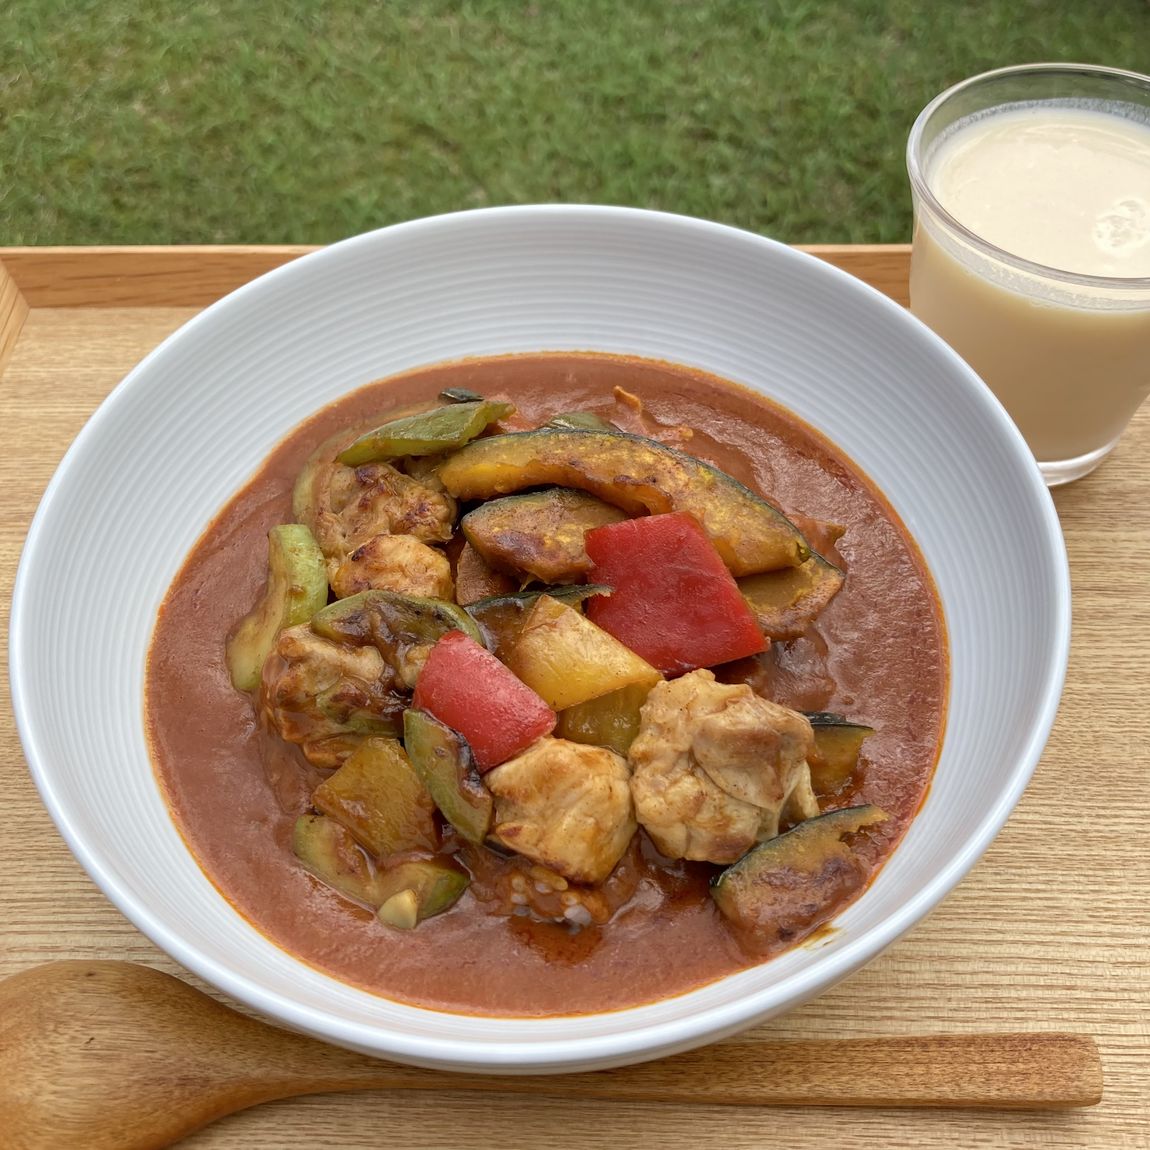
(674, 601)
(469, 690)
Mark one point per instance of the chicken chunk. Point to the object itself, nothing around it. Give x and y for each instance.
(566, 806)
(394, 563)
(313, 690)
(716, 767)
(349, 506)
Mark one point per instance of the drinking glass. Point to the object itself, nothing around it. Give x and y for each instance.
(1068, 354)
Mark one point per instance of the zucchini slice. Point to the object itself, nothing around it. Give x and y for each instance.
(787, 602)
(330, 852)
(540, 533)
(838, 742)
(296, 589)
(379, 797)
(415, 890)
(637, 475)
(779, 891)
(428, 433)
(403, 628)
(442, 760)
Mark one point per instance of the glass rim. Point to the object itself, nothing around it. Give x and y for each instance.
(923, 190)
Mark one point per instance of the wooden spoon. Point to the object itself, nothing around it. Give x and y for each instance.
(114, 1056)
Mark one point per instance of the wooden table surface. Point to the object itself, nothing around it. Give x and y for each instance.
(1050, 931)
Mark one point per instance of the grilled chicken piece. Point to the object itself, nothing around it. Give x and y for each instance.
(566, 806)
(350, 506)
(716, 767)
(313, 689)
(394, 563)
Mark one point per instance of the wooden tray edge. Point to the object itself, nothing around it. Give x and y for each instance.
(198, 276)
(13, 313)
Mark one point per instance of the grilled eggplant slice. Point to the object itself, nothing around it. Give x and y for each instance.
(788, 601)
(838, 742)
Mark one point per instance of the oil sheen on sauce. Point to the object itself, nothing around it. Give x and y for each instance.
(1067, 188)
(877, 653)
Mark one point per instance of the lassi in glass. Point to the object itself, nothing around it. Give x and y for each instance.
(1032, 248)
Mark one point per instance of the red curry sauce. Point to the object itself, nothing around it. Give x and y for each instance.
(877, 653)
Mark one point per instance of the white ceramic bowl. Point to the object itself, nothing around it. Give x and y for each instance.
(188, 426)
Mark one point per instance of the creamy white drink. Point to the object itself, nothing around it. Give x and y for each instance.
(1067, 188)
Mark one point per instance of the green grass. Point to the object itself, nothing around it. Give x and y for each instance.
(212, 122)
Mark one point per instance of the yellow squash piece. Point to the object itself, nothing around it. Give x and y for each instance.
(608, 721)
(379, 797)
(567, 660)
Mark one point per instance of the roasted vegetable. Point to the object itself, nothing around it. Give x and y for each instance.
(608, 721)
(567, 659)
(460, 395)
(429, 433)
(785, 887)
(580, 421)
(838, 742)
(501, 616)
(674, 602)
(540, 534)
(403, 628)
(380, 798)
(443, 762)
(475, 579)
(788, 601)
(463, 685)
(296, 589)
(329, 850)
(415, 890)
(638, 475)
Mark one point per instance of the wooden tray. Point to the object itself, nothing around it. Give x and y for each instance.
(1049, 932)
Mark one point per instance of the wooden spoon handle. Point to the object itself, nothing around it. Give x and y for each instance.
(1003, 1071)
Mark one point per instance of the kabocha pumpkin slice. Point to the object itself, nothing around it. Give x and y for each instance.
(330, 852)
(779, 891)
(428, 433)
(567, 660)
(787, 602)
(637, 475)
(296, 589)
(540, 533)
(838, 743)
(418, 889)
(501, 617)
(443, 762)
(380, 798)
(609, 721)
